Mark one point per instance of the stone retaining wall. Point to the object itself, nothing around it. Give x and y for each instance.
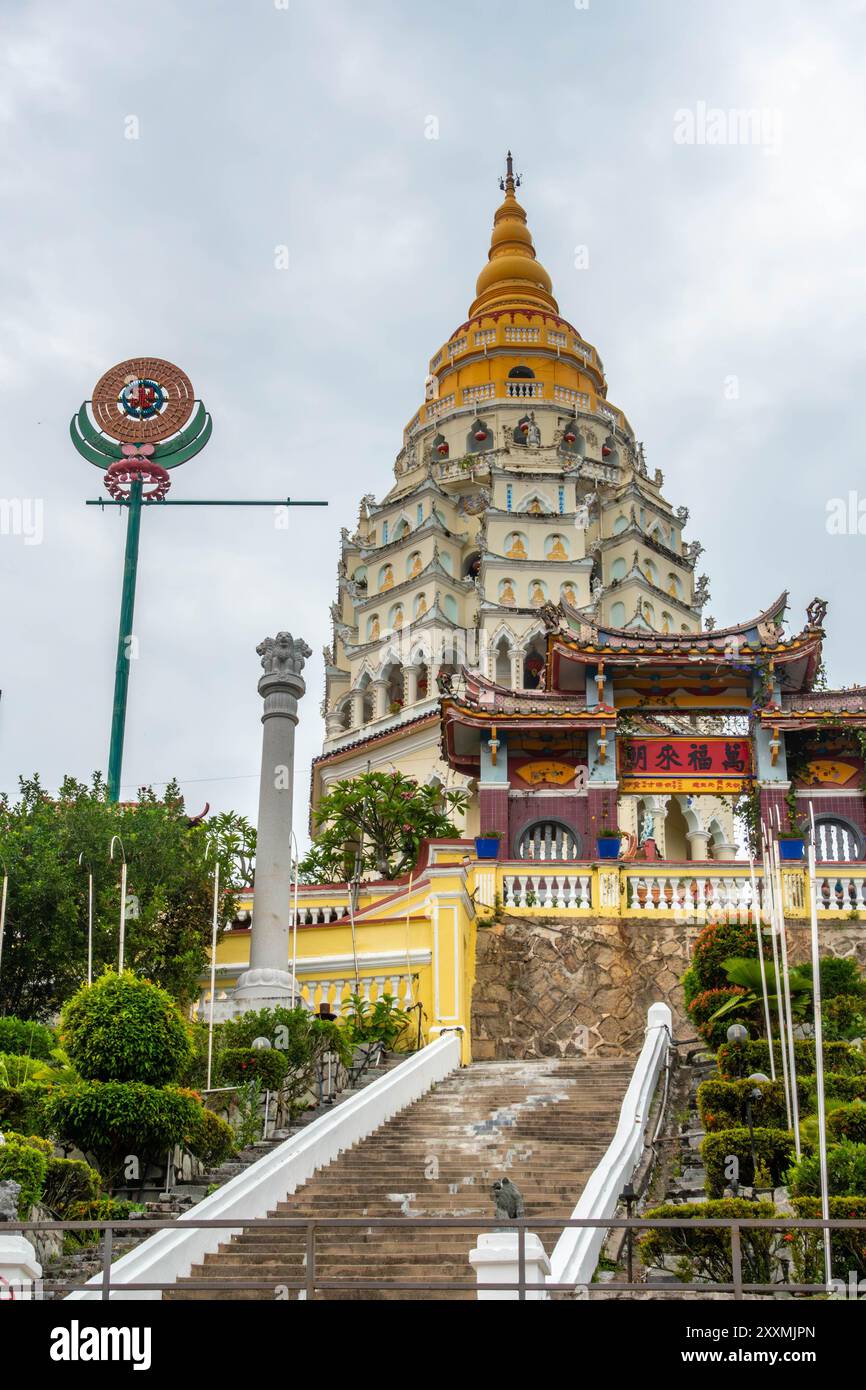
(548, 988)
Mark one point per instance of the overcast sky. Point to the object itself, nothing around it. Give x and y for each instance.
(725, 290)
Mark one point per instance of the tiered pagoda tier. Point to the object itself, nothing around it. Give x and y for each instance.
(518, 485)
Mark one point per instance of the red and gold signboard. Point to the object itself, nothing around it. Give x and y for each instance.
(685, 764)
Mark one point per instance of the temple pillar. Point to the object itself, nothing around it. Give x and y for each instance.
(268, 982)
(410, 684)
(357, 709)
(381, 690)
(698, 842)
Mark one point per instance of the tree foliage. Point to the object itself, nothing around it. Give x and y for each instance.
(125, 1029)
(381, 819)
(169, 889)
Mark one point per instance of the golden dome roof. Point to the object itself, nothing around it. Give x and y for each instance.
(513, 275)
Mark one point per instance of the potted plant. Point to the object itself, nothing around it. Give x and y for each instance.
(608, 843)
(487, 845)
(792, 843)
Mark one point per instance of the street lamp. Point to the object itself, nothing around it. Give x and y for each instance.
(89, 916)
(754, 1093)
(116, 840)
(3, 906)
(737, 1036)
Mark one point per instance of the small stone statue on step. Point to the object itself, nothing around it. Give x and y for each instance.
(507, 1200)
(9, 1194)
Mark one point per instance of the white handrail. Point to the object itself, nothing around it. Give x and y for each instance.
(169, 1255)
(575, 1254)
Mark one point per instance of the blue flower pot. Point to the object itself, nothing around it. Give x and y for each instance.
(791, 849)
(486, 848)
(608, 847)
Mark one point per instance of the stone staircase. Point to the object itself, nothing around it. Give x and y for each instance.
(546, 1124)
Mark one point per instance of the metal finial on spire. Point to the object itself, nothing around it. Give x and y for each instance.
(509, 183)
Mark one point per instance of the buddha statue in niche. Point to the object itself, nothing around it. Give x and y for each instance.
(516, 550)
(506, 593)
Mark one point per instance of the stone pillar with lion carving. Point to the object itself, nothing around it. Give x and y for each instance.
(268, 982)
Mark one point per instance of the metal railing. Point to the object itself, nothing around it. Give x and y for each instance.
(311, 1282)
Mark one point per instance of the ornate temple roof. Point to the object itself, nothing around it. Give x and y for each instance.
(754, 645)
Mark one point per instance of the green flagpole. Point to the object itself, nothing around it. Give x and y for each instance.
(121, 669)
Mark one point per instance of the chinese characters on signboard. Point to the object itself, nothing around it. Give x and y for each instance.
(693, 764)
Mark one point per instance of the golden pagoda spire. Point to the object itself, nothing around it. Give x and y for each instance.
(513, 276)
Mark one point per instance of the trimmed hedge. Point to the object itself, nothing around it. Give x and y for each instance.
(848, 1122)
(722, 1104)
(23, 1164)
(211, 1139)
(237, 1066)
(69, 1180)
(774, 1149)
(848, 1248)
(839, 975)
(846, 1172)
(20, 1036)
(841, 1087)
(113, 1120)
(740, 1059)
(706, 1254)
(844, 1016)
(125, 1029)
(24, 1107)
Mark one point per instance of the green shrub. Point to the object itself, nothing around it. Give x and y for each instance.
(774, 1149)
(125, 1029)
(32, 1141)
(722, 1104)
(15, 1070)
(69, 1180)
(211, 1139)
(238, 1065)
(736, 1060)
(102, 1209)
(296, 1035)
(705, 1004)
(383, 1022)
(846, 1172)
(840, 1087)
(24, 1107)
(844, 1016)
(691, 987)
(25, 1165)
(839, 975)
(23, 1038)
(706, 1254)
(848, 1122)
(716, 944)
(114, 1119)
(848, 1248)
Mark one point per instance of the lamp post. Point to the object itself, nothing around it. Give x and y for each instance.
(211, 845)
(89, 916)
(737, 1036)
(116, 840)
(3, 893)
(754, 1093)
(629, 1196)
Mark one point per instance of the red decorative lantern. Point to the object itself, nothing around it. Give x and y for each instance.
(605, 451)
(480, 436)
(524, 428)
(442, 449)
(569, 438)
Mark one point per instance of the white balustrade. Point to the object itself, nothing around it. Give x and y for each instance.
(335, 992)
(522, 335)
(690, 892)
(551, 891)
(479, 393)
(532, 390)
(840, 892)
(311, 915)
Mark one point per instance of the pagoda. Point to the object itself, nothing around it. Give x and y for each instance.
(519, 485)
